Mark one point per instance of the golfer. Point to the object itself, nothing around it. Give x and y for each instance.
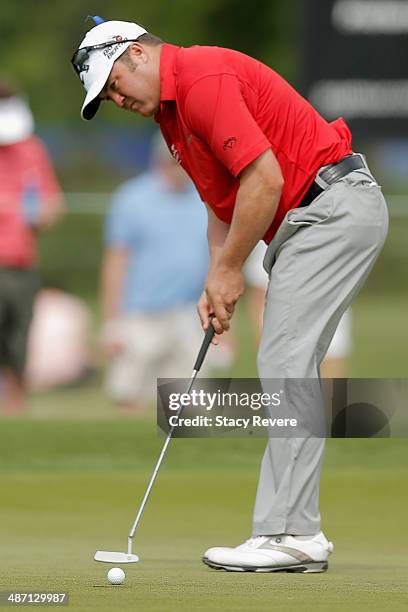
(270, 168)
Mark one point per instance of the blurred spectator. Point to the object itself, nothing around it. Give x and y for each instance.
(153, 273)
(30, 201)
(58, 347)
(256, 280)
(336, 362)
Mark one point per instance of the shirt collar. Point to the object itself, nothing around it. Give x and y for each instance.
(167, 72)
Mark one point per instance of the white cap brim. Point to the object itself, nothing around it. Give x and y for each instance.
(92, 100)
(99, 71)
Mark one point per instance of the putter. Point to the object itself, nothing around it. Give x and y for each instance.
(121, 557)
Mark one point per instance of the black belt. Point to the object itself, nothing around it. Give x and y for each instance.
(331, 174)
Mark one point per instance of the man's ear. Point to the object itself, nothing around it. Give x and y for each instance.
(138, 52)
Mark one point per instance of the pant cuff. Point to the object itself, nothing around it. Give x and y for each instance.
(280, 526)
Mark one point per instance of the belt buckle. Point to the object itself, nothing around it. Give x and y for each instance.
(319, 180)
(363, 159)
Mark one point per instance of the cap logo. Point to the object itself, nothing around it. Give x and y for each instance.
(110, 51)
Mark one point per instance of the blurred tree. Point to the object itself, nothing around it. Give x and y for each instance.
(253, 31)
(37, 39)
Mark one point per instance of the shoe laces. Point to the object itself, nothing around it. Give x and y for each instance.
(252, 543)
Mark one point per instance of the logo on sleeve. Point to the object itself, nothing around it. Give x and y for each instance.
(229, 143)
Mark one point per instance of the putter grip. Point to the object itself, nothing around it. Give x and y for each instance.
(209, 334)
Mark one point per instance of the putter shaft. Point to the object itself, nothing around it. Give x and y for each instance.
(203, 351)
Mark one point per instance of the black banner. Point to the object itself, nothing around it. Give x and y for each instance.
(354, 64)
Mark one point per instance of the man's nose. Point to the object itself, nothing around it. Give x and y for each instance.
(118, 99)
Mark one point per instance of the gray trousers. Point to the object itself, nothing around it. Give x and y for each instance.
(318, 261)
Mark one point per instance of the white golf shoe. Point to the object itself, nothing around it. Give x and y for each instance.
(278, 553)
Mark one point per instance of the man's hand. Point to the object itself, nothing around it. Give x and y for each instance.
(205, 314)
(223, 289)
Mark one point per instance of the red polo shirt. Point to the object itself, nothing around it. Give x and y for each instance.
(220, 109)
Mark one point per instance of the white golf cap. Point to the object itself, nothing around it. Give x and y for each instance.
(96, 68)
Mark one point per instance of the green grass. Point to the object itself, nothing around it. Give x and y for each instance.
(72, 476)
(71, 487)
(380, 336)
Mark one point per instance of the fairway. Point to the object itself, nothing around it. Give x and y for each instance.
(71, 487)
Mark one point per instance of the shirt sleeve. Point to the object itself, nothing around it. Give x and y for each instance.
(215, 111)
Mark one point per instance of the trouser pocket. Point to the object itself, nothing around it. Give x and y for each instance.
(319, 211)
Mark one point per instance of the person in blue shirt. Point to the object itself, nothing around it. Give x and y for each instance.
(153, 273)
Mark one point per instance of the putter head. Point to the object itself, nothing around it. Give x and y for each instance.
(115, 557)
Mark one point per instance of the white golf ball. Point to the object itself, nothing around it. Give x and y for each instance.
(116, 575)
